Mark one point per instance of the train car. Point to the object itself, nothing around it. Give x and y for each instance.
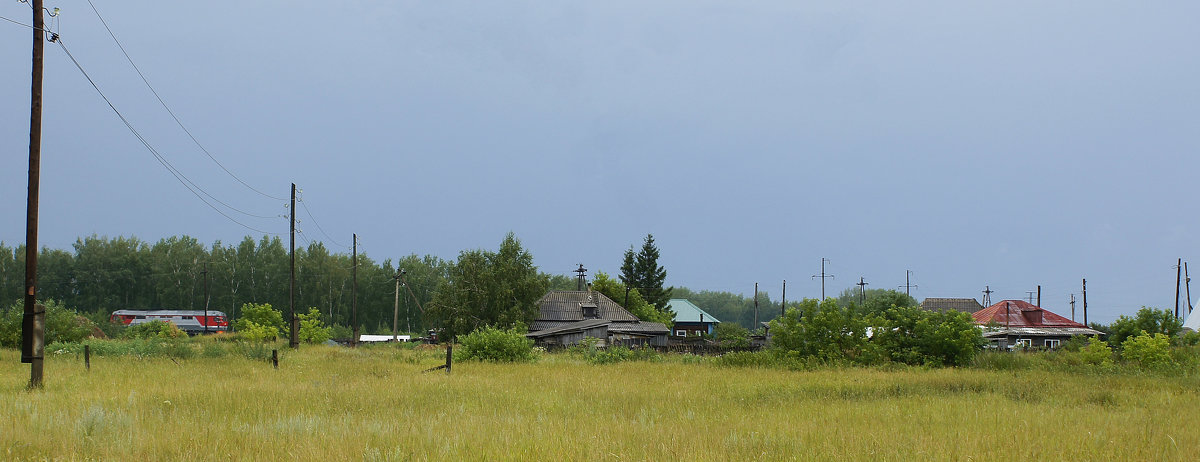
(191, 321)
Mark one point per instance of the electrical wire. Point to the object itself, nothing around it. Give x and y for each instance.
(187, 183)
(169, 111)
(18, 23)
(319, 228)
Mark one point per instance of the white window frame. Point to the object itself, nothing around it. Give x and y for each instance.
(680, 333)
(1053, 343)
(1023, 342)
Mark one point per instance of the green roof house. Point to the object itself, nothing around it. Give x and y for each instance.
(690, 319)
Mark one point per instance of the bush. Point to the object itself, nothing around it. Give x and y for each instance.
(618, 354)
(731, 335)
(154, 329)
(62, 324)
(312, 330)
(1096, 353)
(262, 315)
(1147, 320)
(1147, 351)
(492, 344)
(915, 336)
(254, 332)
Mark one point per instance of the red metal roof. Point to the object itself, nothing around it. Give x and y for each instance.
(1019, 313)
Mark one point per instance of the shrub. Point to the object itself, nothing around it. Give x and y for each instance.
(1096, 353)
(154, 329)
(492, 344)
(731, 335)
(618, 354)
(255, 332)
(824, 330)
(62, 324)
(915, 336)
(1148, 320)
(1147, 351)
(262, 315)
(312, 330)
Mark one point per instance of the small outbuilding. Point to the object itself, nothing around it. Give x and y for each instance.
(566, 317)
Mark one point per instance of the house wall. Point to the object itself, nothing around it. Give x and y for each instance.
(692, 328)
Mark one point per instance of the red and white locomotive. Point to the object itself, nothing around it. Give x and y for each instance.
(191, 321)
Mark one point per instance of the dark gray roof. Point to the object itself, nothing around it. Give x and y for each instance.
(568, 327)
(966, 305)
(563, 305)
(640, 327)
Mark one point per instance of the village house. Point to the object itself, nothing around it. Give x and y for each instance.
(690, 320)
(942, 305)
(1020, 324)
(566, 317)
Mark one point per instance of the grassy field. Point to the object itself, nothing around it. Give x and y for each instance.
(332, 403)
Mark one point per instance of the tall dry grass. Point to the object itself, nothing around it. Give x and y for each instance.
(332, 403)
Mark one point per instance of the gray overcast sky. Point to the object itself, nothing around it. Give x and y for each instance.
(1007, 144)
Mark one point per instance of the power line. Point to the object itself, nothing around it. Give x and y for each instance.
(169, 111)
(187, 183)
(319, 228)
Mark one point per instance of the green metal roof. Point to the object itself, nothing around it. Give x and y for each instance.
(686, 311)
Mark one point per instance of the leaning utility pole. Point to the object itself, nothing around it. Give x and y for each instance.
(293, 341)
(822, 276)
(1187, 285)
(354, 294)
(396, 308)
(1178, 268)
(32, 339)
(756, 306)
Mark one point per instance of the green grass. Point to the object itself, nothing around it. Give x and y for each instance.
(332, 403)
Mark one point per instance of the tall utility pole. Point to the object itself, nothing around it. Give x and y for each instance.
(756, 306)
(1039, 302)
(32, 339)
(1085, 302)
(1178, 269)
(823, 276)
(1187, 285)
(1072, 307)
(206, 299)
(354, 293)
(396, 308)
(783, 304)
(294, 341)
(987, 296)
(862, 290)
(908, 285)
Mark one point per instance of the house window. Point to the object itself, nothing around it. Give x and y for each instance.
(1024, 343)
(1052, 343)
(681, 333)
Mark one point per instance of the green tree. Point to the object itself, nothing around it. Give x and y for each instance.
(912, 335)
(825, 331)
(642, 272)
(638, 306)
(485, 288)
(1149, 320)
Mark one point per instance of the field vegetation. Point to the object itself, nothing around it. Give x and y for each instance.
(209, 398)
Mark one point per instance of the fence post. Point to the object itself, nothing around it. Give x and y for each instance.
(449, 356)
(275, 358)
(87, 357)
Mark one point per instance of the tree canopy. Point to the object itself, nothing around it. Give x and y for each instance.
(484, 288)
(642, 272)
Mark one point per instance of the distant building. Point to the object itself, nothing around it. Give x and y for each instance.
(942, 305)
(690, 319)
(1017, 323)
(566, 317)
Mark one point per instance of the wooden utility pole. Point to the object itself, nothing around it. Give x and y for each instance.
(206, 299)
(1039, 303)
(32, 338)
(293, 339)
(354, 293)
(1187, 285)
(908, 285)
(1085, 302)
(396, 309)
(783, 305)
(756, 306)
(1178, 274)
(1072, 307)
(987, 296)
(862, 289)
(823, 276)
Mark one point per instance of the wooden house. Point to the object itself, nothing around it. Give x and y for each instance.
(566, 317)
(690, 320)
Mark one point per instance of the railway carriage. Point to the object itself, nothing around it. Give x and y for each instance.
(191, 321)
